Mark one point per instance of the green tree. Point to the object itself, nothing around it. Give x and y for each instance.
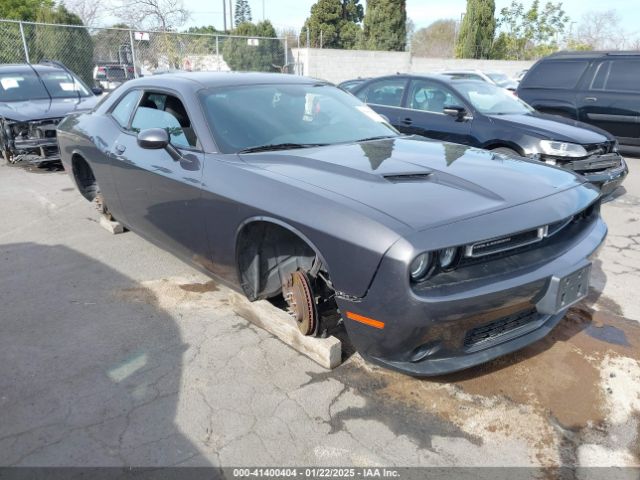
(385, 25)
(334, 24)
(11, 49)
(435, 41)
(477, 30)
(260, 55)
(69, 45)
(26, 10)
(529, 33)
(242, 12)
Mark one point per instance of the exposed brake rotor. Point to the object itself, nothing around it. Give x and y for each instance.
(302, 306)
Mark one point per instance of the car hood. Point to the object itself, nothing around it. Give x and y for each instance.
(45, 108)
(419, 182)
(553, 127)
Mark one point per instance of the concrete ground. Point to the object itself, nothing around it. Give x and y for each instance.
(112, 352)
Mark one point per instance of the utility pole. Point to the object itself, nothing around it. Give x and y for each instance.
(263, 14)
(231, 25)
(224, 13)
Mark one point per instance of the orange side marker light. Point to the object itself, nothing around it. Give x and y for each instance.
(366, 320)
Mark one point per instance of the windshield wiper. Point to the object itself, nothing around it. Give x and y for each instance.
(379, 137)
(279, 146)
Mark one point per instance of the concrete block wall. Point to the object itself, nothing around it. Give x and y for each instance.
(339, 65)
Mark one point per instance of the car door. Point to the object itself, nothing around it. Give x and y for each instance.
(160, 194)
(424, 113)
(385, 96)
(611, 100)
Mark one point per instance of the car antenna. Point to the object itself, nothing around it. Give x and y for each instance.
(41, 81)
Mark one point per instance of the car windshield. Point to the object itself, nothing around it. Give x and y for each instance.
(492, 100)
(289, 116)
(23, 86)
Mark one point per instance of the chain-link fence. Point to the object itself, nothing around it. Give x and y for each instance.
(106, 57)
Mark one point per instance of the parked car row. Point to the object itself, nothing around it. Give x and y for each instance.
(482, 115)
(436, 256)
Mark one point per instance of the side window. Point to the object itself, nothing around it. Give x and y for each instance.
(159, 110)
(430, 97)
(384, 92)
(624, 76)
(124, 108)
(556, 74)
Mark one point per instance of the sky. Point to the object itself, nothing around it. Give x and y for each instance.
(292, 13)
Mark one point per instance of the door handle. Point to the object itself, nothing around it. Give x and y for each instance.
(591, 99)
(120, 148)
(407, 121)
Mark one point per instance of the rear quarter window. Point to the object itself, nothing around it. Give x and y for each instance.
(624, 76)
(563, 75)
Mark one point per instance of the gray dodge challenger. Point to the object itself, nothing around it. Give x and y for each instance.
(435, 256)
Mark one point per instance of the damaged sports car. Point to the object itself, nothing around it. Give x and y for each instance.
(33, 100)
(434, 256)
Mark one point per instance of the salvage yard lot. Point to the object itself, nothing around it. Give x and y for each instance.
(113, 352)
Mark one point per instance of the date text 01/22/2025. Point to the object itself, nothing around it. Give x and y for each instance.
(315, 473)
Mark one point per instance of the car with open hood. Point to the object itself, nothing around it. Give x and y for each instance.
(485, 116)
(33, 100)
(434, 256)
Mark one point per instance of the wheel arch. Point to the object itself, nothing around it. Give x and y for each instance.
(493, 144)
(248, 230)
(84, 177)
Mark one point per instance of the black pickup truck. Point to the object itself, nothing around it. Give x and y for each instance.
(600, 88)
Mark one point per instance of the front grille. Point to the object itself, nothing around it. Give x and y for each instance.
(524, 241)
(492, 331)
(502, 244)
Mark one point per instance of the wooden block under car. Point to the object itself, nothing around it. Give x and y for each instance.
(327, 352)
(111, 226)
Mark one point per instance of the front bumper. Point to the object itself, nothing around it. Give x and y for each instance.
(36, 142)
(607, 172)
(452, 327)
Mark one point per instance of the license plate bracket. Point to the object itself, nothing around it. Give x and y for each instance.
(565, 291)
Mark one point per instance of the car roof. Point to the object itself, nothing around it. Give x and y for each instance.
(27, 68)
(200, 80)
(442, 77)
(449, 72)
(592, 54)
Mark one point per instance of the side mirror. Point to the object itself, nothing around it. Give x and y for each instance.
(455, 111)
(153, 138)
(158, 139)
(97, 91)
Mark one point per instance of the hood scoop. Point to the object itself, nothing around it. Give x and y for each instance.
(408, 177)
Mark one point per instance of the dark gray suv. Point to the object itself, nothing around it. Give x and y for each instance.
(600, 88)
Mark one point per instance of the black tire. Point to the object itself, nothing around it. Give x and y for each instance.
(506, 151)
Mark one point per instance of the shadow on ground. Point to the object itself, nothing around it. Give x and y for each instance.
(90, 382)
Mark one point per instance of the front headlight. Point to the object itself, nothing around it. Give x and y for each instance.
(421, 267)
(447, 257)
(562, 149)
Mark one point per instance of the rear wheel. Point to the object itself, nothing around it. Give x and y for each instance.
(6, 156)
